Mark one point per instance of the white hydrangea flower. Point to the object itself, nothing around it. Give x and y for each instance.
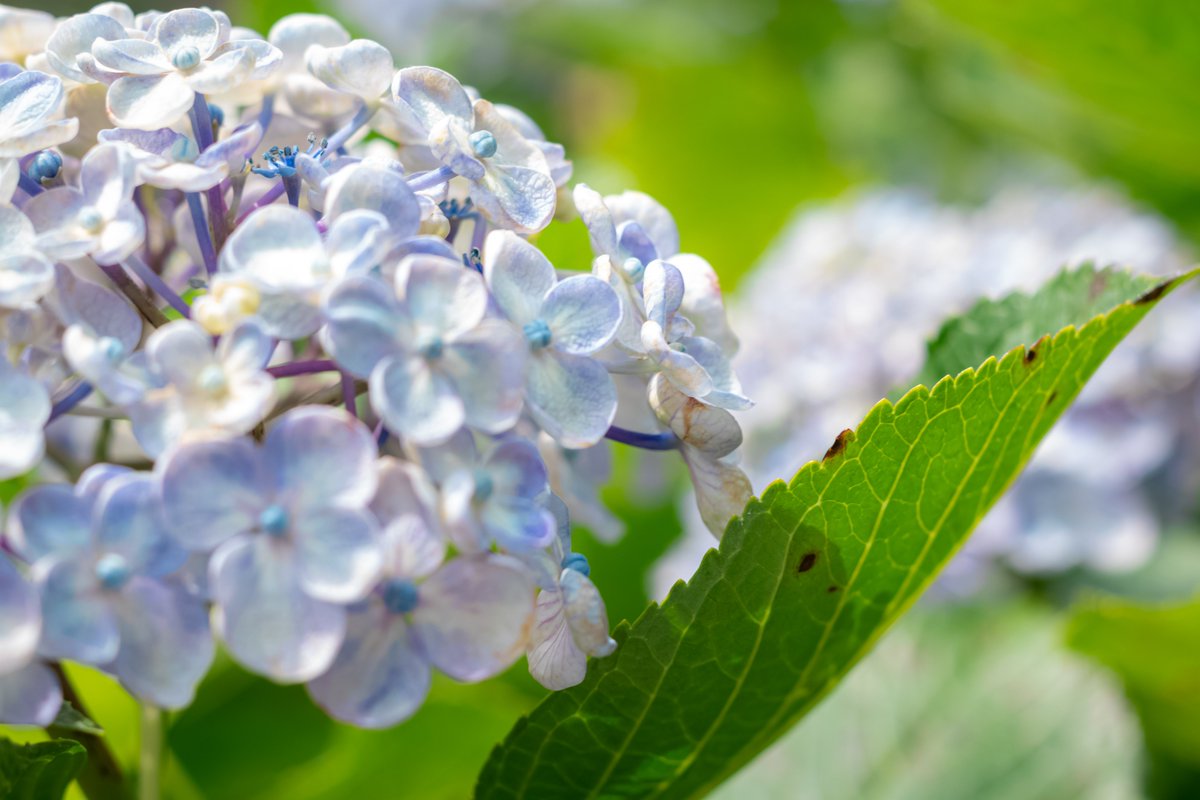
(24, 410)
(169, 160)
(25, 274)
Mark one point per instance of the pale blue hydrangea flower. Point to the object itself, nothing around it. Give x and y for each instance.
(433, 361)
(571, 621)
(708, 437)
(291, 535)
(279, 254)
(303, 94)
(99, 218)
(696, 365)
(509, 177)
(24, 410)
(576, 476)
(169, 160)
(494, 496)
(25, 274)
(360, 68)
(379, 186)
(29, 691)
(569, 395)
(69, 48)
(468, 617)
(30, 114)
(202, 387)
(185, 52)
(101, 559)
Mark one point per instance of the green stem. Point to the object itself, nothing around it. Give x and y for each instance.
(150, 755)
(101, 778)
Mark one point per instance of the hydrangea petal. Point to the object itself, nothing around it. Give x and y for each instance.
(722, 489)
(48, 520)
(180, 350)
(555, 661)
(130, 523)
(416, 401)
(518, 275)
(488, 366)
(524, 198)
(650, 216)
(379, 677)
(586, 614)
(339, 553)
(474, 616)
(166, 644)
(572, 398)
(518, 524)
(277, 246)
(131, 56)
(298, 453)
(30, 696)
(20, 618)
(269, 624)
(443, 298)
(432, 95)
(583, 313)
(361, 67)
(77, 621)
(212, 490)
(363, 324)
(149, 102)
(187, 27)
(75, 36)
(222, 73)
(24, 409)
(662, 289)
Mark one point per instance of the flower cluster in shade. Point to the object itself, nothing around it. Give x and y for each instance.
(871, 278)
(282, 367)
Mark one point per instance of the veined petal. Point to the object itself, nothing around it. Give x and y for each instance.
(187, 27)
(212, 490)
(487, 366)
(26, 100)
(180, 350)
(339, 553)
(572, 398)
(722, 489)
(278, 247)
(583, 313)
(662, 289)
(602, 231)
(726, 390)
(77, 621)
(75, 36)
(303, 444)
(679, 367)
(49, 520)
(555, 661)
(121, 237)
(374, 188)
(221, 73)
(431, 95)
(586, 614)
(444, 299)
(523, 197)
(518, 524)
(379, 677)
(131, 56)
(166, 644)
(518, 275)
(650, 216)
(149, 102)
(516, 468)
(268, 622)
(474, 615)
(708, 428)
(416, 401)
(361, 67)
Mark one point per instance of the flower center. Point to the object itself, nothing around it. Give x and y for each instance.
(212, 380)
(635, 269)
(90, 219)
(112, 570)
(400, 596)
(483, 143)
(433, 348)
(112, 349)
(274, 520)
(577, 562)
(186, 57)
(537, 333)
(484, 485)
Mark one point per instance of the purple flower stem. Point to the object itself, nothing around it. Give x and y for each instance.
(304, 368)
(140, 300)
(430, 179)
(202, 236)
(272, 194)
(69, 400)
(160, 287)
(292, 187)
(265, 115)
(646, 441)
(202, 126)
(349, 395)
(478, 233)
(361, 117)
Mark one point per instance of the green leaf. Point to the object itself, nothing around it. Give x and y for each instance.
(71, 719)
(1155, 651)
(977, 701)
(39, 771)
(803, 584)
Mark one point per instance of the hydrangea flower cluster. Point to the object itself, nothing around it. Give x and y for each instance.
(274, 311)
(875, 269)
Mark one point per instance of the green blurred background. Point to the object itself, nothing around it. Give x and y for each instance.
(734, 114)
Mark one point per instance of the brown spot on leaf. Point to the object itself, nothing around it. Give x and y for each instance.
(1153, 294)
(1053, 396)
(831, 589)
(1099, 284)
(1030, 355)
(839, 444)
(807, 562)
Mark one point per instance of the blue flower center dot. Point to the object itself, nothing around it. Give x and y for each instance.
(635, 269)
(400, 596)
(484, 485)
(216, 114)
(45, 165)
(112, 570)
(274, 520)
(577, 562)
(537, 333)
(212, 379)
(90, 219)
(112, 349)
(186, 57)
(483, 143)
(433, 348)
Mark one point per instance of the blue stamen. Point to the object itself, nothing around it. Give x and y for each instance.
(537, 333)
(45, 166)
(483, 143)
(216, 114)
(112, 349)
(112, 570)
(281, 162)
(577, 562)
(432, 349)
(400, 596)
(274, 520)
(484, 485)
